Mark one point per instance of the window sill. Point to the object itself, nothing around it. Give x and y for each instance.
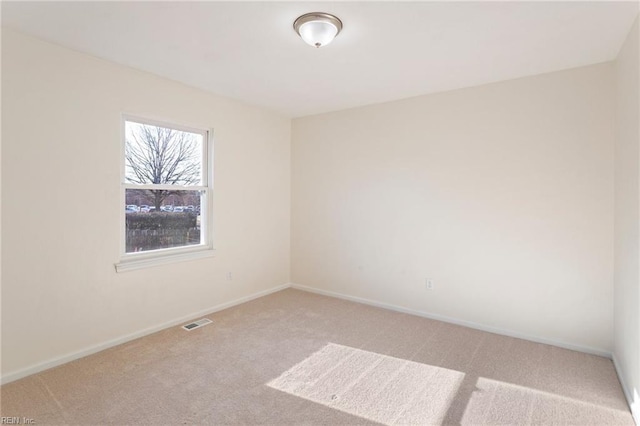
(162, 259)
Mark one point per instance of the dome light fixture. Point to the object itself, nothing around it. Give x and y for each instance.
(317, 28)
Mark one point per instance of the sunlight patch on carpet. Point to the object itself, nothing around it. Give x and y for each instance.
(498, 402)
(373, 386)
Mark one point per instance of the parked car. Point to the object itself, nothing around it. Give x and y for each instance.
(131, 209)
(189, 208)
(178, 209)
(166, 208)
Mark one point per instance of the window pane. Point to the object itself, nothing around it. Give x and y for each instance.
(157, 219)
(160, 155)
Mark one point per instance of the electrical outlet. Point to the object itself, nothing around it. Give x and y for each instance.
(429, 284)
(229, 276)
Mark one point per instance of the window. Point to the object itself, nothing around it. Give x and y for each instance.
(166, 192)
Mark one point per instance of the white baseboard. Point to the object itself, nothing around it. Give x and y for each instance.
(633, 405)
(477, 326)
(10, 377)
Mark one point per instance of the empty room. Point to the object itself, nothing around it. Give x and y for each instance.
(336, 213)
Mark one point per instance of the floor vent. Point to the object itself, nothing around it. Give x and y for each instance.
(197, 324)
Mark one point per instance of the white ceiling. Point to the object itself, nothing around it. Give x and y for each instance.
(386, 51)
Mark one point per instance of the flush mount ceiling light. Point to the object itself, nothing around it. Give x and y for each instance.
(317, 28)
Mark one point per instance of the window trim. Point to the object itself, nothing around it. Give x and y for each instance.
(139, 260)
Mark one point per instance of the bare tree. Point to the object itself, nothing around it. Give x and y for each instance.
(158, 155)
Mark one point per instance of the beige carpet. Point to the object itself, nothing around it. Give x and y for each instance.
(299, 358)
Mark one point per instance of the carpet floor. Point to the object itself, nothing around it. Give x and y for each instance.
(298, 358)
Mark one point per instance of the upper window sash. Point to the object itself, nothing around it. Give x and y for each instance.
(145, 141)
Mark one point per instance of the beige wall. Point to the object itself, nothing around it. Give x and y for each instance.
(61, 115)
(627, 218)
(501, 194)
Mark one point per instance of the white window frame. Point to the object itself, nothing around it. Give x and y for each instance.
(138, 260)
